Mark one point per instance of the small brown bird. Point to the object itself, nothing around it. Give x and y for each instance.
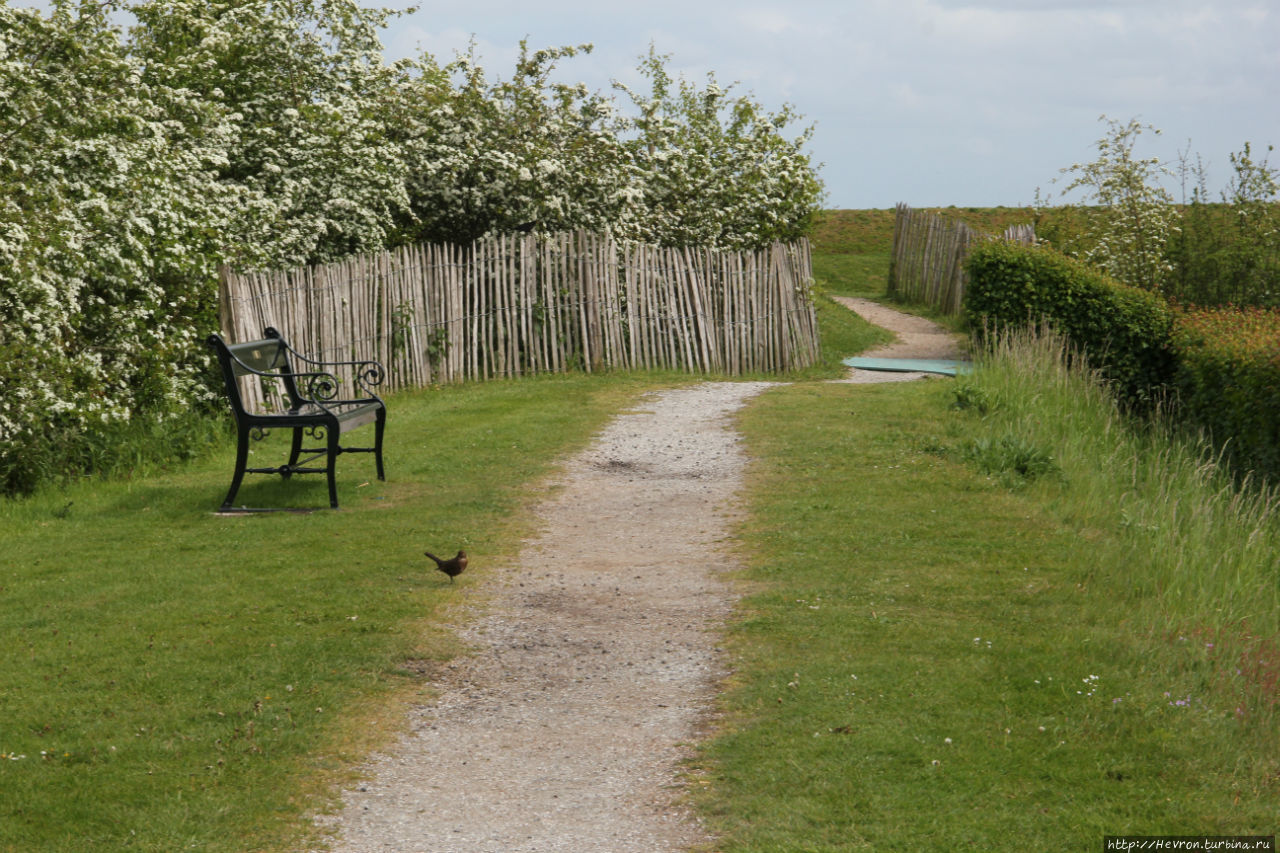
(452, 567)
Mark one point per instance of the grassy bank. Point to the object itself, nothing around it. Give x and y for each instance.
(869, 232)
(987, 615)
(1005, 626)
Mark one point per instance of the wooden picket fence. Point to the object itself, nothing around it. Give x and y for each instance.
(929, 252)
(525, 304)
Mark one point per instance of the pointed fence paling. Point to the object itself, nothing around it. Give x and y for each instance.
(524, 304)
(929, 252)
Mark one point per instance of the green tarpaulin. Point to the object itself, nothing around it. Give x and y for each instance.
(911, 365)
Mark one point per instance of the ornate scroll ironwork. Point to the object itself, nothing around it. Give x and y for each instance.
(370, 373)
(321, 386)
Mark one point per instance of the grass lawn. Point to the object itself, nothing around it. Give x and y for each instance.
(983, 615)
(177, 680)
(929, 660)
(853, 275)
(935, 651)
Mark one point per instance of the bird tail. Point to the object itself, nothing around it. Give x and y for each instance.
(434, 557)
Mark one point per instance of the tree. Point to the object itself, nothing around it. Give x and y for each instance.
(303, 87)
(271, 133)
(714, 169)
(1229, 252)
(1136, 216)
(1253, 261)
(489, 157)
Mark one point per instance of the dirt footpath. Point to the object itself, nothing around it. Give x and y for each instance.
(596, 662)
(916, 338)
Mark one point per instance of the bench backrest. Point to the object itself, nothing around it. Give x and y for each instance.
(265, 355)
(269, 355)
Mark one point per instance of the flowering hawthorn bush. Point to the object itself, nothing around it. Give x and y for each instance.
(1229, 252)
(488, 157)
(1199, 252)
(108, 195)
(714, 169)
(299, 86)
(272, 134)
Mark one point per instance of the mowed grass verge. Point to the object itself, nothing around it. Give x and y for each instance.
(938, 653)
(173, 680)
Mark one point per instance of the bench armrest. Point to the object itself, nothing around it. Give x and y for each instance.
(368, 375)
(316, 387)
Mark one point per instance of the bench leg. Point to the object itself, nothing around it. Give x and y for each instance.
(242, 459)
(295, 450)
(334, 450)
(377, 441)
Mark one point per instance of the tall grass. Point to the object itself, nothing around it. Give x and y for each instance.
(991, 614)
(56, 454)
(1197, 553)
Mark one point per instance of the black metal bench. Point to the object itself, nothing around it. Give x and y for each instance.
(308, 405)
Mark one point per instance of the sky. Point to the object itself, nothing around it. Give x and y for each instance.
(928, 102)
(971, 103)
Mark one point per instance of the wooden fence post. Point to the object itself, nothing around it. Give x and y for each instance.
(928, 259)
(516, 304)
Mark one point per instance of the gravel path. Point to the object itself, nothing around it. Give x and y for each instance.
(595, 664)
(917, 338)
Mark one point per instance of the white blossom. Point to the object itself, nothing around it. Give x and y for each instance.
(273, 134)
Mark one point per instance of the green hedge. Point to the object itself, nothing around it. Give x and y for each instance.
(1228, 381)
(1124, 332)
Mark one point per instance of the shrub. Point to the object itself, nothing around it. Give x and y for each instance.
(490, 156)
(1124, 332)
(1228, 381)
(109, 211)
(1012, 459)
(267, 135)
(1229, 252)
(1202, 252)
(714, 168)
